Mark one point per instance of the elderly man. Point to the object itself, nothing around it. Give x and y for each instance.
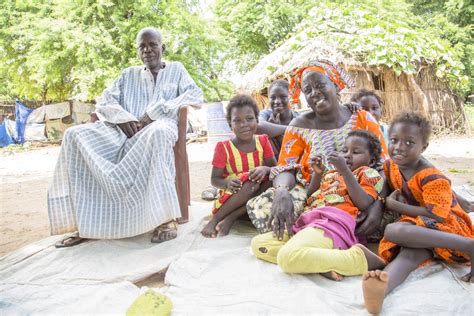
(116, 178)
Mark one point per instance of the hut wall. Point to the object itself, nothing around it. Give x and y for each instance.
(444, 107)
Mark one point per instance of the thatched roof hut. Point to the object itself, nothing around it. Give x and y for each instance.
(422, 91)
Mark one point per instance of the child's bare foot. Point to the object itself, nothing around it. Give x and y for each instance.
(374, 284)
(209, 230)
(224, 226)
(332, 275)
(373, 261)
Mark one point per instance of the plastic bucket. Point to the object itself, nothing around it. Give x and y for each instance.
(217, 127)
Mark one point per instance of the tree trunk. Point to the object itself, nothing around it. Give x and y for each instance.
(420, 96)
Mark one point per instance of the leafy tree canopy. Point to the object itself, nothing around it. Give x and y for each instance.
(55, 49)
(52, 50)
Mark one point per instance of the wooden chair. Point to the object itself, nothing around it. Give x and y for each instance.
(181, 164)
(183, 187)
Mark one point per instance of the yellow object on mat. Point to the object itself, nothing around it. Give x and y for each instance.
(309, 251)
(150, 303)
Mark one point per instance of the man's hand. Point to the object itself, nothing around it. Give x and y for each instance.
(370, 219)
(129, 128)
(145, 120)
(282, 216)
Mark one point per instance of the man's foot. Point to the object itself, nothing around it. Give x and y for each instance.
(69, 241)
(332, 275)
(165, 232)
(224, 226)
(374, 284)
(373, 261)
(209, 231)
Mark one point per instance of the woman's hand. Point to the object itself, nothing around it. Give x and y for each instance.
(316, 163)
(338, 161)
(353, 106)
(234, 185)
(281, 216)
(259, 173)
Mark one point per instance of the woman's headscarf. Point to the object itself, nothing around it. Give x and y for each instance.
(336, 74)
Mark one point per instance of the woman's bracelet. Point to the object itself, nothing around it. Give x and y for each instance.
(283, 186)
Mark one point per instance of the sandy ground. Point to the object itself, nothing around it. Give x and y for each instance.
(24, 179)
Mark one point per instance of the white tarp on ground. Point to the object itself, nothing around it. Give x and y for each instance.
(206, 276)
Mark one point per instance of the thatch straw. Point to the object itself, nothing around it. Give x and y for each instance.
(422, 92)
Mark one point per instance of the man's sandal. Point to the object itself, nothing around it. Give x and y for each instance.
(165, 232)
(70, 241)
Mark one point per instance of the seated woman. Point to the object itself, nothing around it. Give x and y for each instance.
(273, 121)
(240, 167)
(431, 225)
(317, 132)
(325, 240)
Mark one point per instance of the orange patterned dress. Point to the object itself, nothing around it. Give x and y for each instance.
(300, 143)
(431, 189)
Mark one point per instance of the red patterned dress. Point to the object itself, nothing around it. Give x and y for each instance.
(237, 164)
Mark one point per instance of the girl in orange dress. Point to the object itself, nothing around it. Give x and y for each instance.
(431, 224)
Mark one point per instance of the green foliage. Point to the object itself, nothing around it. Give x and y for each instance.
(53, 50)
(451, 20)
(394, 37)
(255, 27)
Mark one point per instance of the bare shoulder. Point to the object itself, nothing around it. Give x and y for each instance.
(304, 120)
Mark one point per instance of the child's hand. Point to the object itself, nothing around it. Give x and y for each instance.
(234, 185)
(316, 163)
(395, 196)
(274, 118)
(258, 174)
(337, 161)
(398, 196)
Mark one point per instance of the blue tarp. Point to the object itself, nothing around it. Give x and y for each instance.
(21, 112)
(5, 138)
